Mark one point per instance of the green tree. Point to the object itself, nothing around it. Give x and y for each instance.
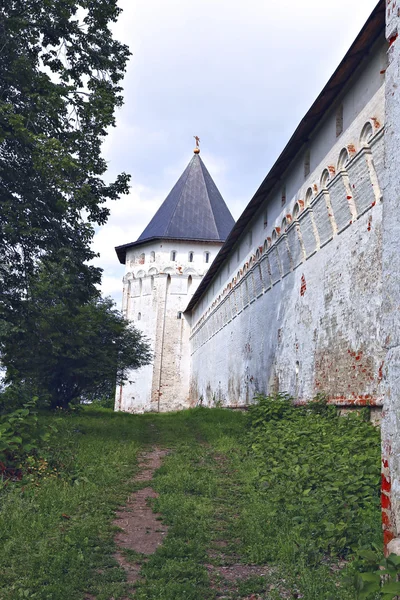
(60, 75)
(63, 347)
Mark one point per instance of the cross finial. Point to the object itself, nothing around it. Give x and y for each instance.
(197, 149)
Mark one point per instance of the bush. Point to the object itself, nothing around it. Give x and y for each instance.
(319, 473)
(20, 435)
(104, 402)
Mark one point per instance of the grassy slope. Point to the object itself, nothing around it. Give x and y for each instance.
(56, 536)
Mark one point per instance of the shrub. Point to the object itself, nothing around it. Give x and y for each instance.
(320, 474)
(20, 435)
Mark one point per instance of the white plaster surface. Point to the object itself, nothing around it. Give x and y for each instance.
(299, 312)
(391, 270)
(156, 291)
(326, 340)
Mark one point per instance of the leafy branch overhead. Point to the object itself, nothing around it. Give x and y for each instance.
(60, 76)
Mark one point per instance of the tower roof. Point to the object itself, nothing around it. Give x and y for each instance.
(193, 210)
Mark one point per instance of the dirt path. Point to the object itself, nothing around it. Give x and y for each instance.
(141, 530)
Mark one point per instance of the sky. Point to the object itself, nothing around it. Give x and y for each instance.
(239, 74)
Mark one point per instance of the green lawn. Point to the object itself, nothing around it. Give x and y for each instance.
(292, 494)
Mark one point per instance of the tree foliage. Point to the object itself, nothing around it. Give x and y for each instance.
(60, 84)
(64, 349)
(60, 74)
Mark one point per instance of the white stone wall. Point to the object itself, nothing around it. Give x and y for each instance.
(159, 281)
(296, 305)
(391, 285)
(316, 329)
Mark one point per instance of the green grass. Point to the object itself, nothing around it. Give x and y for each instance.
(56, 534)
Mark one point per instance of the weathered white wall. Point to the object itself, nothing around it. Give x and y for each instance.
(295, 306)
(156, 291)
(315, 330)
(391, 285)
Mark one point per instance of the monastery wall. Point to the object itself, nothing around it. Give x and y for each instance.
(390, 499)
(160, 279)
(295, 305)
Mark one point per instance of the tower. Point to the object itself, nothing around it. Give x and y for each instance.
(163, 270)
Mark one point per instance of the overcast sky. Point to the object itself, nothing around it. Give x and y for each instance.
(239, 74)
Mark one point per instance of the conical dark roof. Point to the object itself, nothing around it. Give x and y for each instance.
(193, 210)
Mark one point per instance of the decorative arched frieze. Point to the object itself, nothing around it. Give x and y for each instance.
(190, 271)
(309, 197)
(296, 211)
(332, 171)
(352, 150)
(129, 276)
(257, 280)
(265, 272)
(341, 192)
(294, 241)
(367, 133)
(343, 159)
(335, 194)
(308, 233)
(275, 267)
(282, 250)
(325, 179)
(362, 173)
(323, 215)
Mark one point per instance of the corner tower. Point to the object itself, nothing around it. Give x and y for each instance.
(163, 270)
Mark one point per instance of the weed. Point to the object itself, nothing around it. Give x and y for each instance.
(294, 491)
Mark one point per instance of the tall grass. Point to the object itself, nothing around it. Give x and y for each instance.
(217, 485)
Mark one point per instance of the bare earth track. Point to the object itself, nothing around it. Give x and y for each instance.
(141, 529)
(142, 532)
